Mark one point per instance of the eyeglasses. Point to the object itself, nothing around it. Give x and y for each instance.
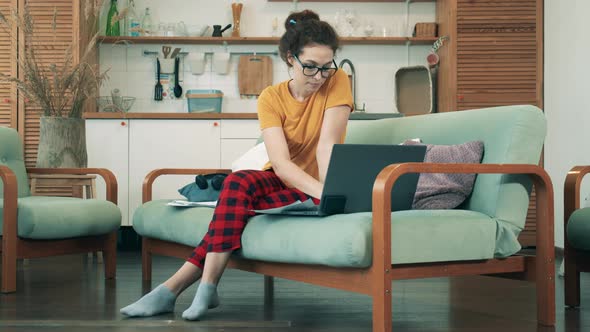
(313, 70)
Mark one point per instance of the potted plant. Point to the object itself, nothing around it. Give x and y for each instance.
(61, 89)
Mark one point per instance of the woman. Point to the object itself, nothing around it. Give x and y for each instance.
(301, 119)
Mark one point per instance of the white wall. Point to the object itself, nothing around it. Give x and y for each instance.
(375, 65)
(567, 106)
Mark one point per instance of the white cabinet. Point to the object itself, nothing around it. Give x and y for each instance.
(169, 144)
(237, 137)
(133, 148)
(107, 145)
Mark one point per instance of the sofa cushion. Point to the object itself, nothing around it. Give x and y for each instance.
(171, 223)
(49, 218)
(578, 229)
(337, 240)
(446, 191)
(345, 240)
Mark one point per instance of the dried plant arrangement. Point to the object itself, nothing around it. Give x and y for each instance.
(62, 87)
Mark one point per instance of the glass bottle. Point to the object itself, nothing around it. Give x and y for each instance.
(113, 26)
(132, 20)
(147, 23)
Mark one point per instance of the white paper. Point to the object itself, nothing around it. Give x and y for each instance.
(299, 206)
(183, 203)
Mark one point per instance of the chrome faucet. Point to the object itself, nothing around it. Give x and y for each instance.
(352, 78)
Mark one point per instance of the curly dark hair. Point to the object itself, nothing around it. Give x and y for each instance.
(304, 28)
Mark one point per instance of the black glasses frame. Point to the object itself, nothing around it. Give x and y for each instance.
(322, 69)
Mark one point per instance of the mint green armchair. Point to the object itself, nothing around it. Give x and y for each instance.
(39, 226)
(576, 235)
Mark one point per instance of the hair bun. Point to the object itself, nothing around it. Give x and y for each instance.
(299, 17)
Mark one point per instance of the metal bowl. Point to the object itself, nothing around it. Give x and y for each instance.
(117, 104)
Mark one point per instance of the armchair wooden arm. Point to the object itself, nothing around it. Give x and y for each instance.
(571, 192)
(151, 177)
(108, 176)
(9, 225)
(574, 260)
(384, 271)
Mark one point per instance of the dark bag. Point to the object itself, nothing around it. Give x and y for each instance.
(205, 188)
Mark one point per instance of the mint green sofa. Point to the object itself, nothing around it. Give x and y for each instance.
(39, 226)
(364, 252)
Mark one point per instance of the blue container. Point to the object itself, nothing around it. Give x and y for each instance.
(204, 101)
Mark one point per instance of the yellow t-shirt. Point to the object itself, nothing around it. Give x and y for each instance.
(302, 121)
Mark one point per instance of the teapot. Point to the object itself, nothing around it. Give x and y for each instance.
(217, 31)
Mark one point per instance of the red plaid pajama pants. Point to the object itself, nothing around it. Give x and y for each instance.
(242, 191)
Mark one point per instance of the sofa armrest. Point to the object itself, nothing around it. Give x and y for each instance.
(9, 225)
(108, 176)
(151, 177)
(387, 177)
(571, 198)
(571, 191)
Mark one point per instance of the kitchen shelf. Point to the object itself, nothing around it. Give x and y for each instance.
(261, 40)
(387, 40)
(352, 0)
(188, 40)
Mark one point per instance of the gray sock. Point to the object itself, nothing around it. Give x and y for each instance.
(206, 298)
(158, 301)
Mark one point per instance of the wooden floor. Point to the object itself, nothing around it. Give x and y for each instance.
(69, 294)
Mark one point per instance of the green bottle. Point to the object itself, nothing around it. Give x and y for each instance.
(113, 29)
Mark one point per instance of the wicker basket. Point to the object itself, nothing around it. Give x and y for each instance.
(425, 30)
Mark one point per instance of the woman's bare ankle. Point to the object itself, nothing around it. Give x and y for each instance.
(183, 278)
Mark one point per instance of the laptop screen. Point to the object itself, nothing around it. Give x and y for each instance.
(353, 169)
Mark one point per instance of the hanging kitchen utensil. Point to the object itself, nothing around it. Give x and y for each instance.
(217, 31)
(158, 89)
(221, 62)
(196, 61)
(177, 87)
(175, 53)
(254, 74)
(166, 51)
(432, 58)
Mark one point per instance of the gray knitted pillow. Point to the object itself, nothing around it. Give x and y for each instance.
(446, 191)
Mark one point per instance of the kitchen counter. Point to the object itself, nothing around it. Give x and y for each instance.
(164, 116)
(215, 116)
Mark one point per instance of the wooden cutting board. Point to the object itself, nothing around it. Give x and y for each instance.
(254, 74)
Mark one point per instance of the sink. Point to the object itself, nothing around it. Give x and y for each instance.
(372, 116)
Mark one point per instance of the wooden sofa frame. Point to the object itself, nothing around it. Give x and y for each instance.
(576, 261)
(376, 281)
(14, 247)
